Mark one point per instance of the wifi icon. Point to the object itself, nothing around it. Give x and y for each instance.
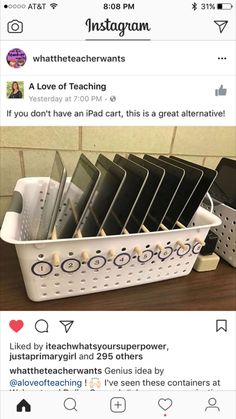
(53, 5)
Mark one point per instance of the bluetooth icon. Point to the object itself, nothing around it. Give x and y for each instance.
(194, 6)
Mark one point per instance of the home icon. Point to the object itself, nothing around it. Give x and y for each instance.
(23, 406)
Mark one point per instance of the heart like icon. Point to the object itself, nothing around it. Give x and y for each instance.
(165, 404)
(16, 325)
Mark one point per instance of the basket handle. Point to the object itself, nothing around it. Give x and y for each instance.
(16, 204)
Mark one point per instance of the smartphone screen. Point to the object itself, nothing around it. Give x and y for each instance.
(127, 308)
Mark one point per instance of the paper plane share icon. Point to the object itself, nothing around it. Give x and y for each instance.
(221, 24)
(67, 324)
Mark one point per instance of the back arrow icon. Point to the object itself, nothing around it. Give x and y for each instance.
(221, 24)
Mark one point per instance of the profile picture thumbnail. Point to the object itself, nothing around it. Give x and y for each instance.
(15, 89)
(16, 58)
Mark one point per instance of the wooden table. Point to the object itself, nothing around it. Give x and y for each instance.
(215, 290)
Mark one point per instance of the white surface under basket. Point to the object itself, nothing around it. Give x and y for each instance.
(64, 268)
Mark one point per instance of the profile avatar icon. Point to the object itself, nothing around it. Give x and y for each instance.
(212, 404)
(16, 58)
(15, 90)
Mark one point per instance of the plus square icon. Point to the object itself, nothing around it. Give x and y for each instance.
(118, 405)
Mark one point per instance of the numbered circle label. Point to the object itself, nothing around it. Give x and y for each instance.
(197, 248)
(164, 254)
(122, 259)
(145, 256)
(96, 262)
(42, 268)
(182, 252)
(70, 265)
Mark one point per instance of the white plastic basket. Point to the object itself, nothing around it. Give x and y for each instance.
(226, 232)
(64, 268)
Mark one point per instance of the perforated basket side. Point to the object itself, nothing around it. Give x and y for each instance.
(90, 265)
(226, 232)
(110, 263)
(21, 220)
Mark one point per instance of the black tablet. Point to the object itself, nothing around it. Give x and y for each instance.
(147, 195)
(202, 188)
(165, 194)
(224, 189)
(127, 197)
(183, 197)
(110, 182)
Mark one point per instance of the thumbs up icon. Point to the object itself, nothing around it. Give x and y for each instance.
(221, 91)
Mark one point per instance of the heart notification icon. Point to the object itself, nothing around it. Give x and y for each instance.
(16, 325)
(165, 404)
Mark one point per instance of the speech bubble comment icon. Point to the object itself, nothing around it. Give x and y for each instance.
(165, 404)
(41, 326)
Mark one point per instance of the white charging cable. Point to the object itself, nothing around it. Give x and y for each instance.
(211, 202)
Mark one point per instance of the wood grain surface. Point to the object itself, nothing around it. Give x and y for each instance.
(215, 290)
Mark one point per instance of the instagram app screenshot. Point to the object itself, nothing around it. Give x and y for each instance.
(118, 209)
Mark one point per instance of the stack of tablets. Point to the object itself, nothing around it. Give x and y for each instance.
(123, 196)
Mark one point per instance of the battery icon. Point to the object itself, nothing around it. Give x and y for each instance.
(224, 6)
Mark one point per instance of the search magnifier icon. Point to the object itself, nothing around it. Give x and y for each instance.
(70, 404)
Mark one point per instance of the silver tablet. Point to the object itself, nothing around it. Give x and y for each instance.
(52, 200)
